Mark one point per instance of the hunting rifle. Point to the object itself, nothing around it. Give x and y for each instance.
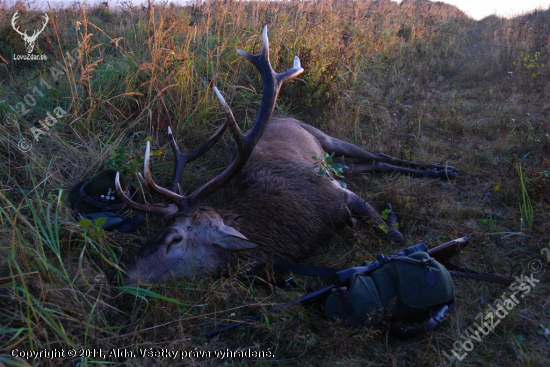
(442, 253)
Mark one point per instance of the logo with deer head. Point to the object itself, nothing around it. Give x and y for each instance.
(29, 40)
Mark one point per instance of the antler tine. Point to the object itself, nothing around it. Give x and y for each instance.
(235, 130)
(292, 73)
(181, 160)
(151, 185)
(163, 210)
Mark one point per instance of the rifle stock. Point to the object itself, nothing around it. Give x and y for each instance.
(441, 253)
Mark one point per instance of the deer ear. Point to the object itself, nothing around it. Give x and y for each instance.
(231, 239)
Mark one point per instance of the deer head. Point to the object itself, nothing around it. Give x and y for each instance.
(29, 40)
(195, 233)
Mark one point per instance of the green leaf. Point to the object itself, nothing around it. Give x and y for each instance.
(99, 222)
(98, 232)
(384, 228)
(385, 213)
(85, 223)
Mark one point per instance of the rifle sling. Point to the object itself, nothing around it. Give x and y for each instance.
(327, 273)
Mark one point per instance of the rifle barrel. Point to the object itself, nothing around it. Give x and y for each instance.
(303, 300)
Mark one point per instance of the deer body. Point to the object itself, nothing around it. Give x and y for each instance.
(299, 210)
(281, 210)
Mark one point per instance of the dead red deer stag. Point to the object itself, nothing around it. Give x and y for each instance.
(281, 210)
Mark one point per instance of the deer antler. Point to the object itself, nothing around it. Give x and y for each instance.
(16, 28)
(36, 33)
(24, 34)
(272, 83)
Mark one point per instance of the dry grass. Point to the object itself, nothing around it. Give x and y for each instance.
(419, 81)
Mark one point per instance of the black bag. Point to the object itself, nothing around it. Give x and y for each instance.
(97, 198)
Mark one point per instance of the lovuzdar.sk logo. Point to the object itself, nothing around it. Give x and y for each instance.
(30, 41)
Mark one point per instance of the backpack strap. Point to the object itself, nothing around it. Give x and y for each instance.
(437, 316)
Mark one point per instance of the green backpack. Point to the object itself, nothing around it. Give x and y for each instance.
(402, 287)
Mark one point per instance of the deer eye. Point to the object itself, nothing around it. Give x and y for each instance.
(174, 241)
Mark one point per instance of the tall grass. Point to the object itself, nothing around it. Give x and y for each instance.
(525, 207)
(419, 81)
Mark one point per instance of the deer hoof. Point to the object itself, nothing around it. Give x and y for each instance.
(443, 172)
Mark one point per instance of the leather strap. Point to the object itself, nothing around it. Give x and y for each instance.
(437, 316)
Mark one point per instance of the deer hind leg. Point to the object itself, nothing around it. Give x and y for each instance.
(360, 161)
(361, 210)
